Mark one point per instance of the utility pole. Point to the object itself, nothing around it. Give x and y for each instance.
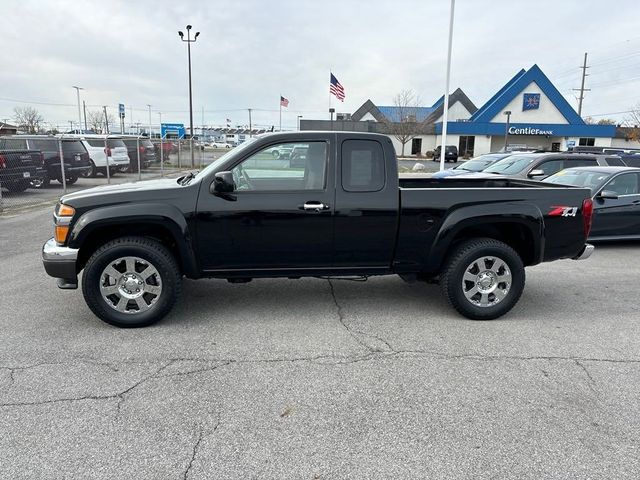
(106, 119)
(582, 89)
(250, 129)
(79, 116)
(84, 109)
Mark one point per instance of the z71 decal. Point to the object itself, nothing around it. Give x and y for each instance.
(563, 211)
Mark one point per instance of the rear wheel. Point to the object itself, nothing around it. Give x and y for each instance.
(131, 282)
(483, 278)
(72, 179)
(19, 186)
(93, 172)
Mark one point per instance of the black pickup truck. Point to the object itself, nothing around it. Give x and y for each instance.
(342, 212)
(19, 167)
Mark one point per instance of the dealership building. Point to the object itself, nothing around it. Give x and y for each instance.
(528, 111)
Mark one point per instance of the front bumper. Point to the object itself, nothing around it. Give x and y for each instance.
(60, 262)
(585, 253)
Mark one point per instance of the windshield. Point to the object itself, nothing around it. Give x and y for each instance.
(512, 164)
(478, 164)
(219, 161)
(579, 178)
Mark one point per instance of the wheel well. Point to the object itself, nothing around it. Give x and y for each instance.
(104, 234)
(516, 235)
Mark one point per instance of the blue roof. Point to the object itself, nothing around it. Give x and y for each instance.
(516, 85)
(392, 113)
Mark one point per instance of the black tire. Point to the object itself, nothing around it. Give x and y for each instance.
(152, 252)
(93, 173)
(17, 187)
(456, 265)
(72, 179)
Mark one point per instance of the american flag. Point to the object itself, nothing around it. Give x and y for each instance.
(336, 89)
(283, 101)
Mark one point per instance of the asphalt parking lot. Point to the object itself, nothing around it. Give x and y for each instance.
(321, 380)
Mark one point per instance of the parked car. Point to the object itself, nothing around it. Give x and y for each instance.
(538, 166)
(631, 160)
(76, 158)
(616, 199)
(166, 147)
(146, 148)
(450, 153)
(475, 164)
(219, 145)
(105, 149)
(345, 213)
(18, 167)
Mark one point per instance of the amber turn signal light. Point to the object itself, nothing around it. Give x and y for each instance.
(61, 233)
(66, 211)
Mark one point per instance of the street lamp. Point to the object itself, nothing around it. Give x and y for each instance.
(506, 130)
(189, 41)
(79, 114)
(299, 117)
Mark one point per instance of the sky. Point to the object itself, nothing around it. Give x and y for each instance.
(250, 52)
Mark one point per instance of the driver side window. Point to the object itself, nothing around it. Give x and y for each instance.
(283, 167)
(626, 184)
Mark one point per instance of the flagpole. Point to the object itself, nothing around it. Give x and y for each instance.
(330, 93)
(445, 116)
(280, 112)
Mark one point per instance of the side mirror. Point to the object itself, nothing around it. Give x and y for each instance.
(537, 173)
(608, 194)
(222, 183)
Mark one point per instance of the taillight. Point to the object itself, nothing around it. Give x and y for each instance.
(141, 149)
(587, 216)
(3, 162)
(107, 151)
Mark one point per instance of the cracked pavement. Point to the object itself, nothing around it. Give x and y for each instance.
(321, 379)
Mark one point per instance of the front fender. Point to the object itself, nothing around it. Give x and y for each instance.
(164, 215)
(491, 215)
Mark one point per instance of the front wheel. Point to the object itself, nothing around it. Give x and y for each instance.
(483, 278)
(131, 282)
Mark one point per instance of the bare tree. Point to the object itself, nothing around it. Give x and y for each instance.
(95, 120)
(405, 125)
(632, 122)
(28, 119)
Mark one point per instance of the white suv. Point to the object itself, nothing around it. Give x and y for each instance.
(105, 147)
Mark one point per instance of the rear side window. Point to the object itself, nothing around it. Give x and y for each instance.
(580, 162)
(115, 142)
(45, 145)
(615, 161)
(93, 142)
(362, 166)
(73, 147)
(13, 143)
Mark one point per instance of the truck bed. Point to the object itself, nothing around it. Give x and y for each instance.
(409, 181)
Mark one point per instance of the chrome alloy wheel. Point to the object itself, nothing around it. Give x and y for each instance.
(130, 285)
(486, 281)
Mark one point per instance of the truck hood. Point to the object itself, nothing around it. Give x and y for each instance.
(147, 185)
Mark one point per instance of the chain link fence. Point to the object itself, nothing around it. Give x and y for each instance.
(36, 170)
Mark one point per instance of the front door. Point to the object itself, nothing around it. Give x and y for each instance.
(280, 216)
(619, 216)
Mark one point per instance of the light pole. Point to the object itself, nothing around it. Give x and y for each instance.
(79, 114)
(299, 117)
(506, 130)
(149, 120)
(189, 41)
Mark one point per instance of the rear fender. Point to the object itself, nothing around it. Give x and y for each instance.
(491, 216)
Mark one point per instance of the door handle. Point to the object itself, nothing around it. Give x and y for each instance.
(314, 206)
